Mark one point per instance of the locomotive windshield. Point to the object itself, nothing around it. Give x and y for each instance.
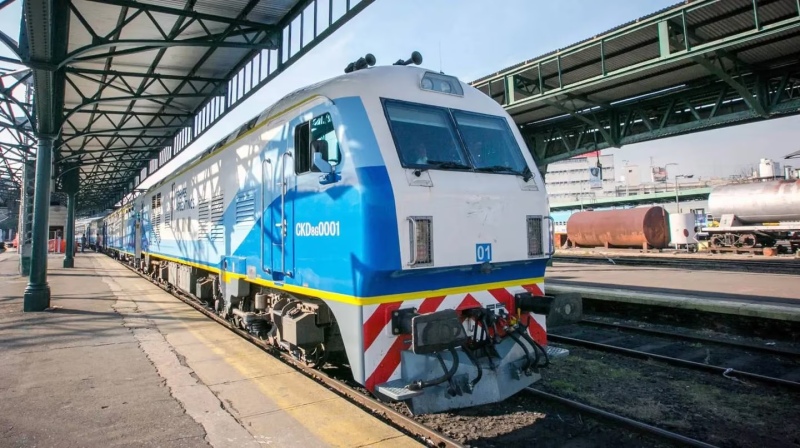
(432, 137)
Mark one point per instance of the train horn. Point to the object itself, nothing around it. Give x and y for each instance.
(416, 58)
(361, 63)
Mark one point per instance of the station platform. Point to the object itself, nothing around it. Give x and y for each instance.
(116, 361)
(772, 296)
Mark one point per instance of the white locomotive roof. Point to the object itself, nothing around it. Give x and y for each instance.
(380, 80)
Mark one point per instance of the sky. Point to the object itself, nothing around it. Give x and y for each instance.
(474, 38)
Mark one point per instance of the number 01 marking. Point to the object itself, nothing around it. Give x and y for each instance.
(483, 252)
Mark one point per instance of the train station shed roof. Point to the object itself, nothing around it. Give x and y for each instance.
(697, 65)
(124, 85)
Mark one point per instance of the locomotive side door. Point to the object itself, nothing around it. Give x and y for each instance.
(283, 217)
(276, 171)
(298, 137)
(137, 216)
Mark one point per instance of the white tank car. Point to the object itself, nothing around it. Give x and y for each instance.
(758, 202)
(758, 214)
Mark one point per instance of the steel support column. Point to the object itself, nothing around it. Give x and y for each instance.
(37, 293)
(70, 181)
(26, 216)
(69, 260)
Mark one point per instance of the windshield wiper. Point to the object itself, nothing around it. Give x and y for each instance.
(526, 174)
(442, 164)
(497, 169)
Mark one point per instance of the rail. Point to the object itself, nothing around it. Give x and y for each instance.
(620, 420)
(646, 355)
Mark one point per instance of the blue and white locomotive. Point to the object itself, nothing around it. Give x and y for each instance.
(391, 215)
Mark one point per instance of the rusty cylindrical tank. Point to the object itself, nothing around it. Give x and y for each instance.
(631, 227)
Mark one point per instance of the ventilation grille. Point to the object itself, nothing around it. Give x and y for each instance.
(421, 235)
(168, 219)
(156, 216)
(217, 212)
(246, 207)
(203, 218)
(535, 246)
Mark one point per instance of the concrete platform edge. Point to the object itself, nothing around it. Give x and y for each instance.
(195, 398)
(721, 306)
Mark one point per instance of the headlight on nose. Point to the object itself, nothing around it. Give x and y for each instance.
(535, 243)
(420, 233)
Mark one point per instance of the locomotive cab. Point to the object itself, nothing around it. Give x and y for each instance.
(472, 219)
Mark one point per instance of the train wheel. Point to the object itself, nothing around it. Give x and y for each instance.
(317, 357)
(747, 240)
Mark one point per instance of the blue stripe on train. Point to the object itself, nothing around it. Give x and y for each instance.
(363, 260)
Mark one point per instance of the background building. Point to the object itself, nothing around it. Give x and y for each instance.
(571, 180)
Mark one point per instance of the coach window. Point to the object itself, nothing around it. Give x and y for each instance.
(320, 128)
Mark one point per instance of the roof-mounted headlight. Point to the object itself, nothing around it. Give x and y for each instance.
(437, 82)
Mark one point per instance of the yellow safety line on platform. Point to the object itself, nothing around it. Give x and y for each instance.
(328, 417)
(332, 423)
(360, 301)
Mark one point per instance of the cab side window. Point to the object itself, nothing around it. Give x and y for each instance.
(302, 148)
(319, 129)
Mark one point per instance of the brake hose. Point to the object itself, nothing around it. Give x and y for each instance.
(420, 384)
(523, 332)
(535, 346)
(477, 365)
(525, 349)
(544, 352)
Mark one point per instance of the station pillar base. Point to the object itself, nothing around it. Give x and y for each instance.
(69, 262)
(36, 297)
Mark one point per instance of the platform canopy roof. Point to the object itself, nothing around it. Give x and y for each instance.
(124, 85)
(700, 64)
(16, 134)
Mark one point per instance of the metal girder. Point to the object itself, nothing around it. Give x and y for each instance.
(716, 67)
(119, 100)
(121, 104)
(183, 13)
(252, 74)
(638, 81)
(704, 105)
(16, 139)
(682, 36)
(751, 34)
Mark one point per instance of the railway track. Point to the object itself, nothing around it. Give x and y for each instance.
(619, 420)
(788, 266)
(407, 424)
(382, 411)
(694, 338)
(729, 358)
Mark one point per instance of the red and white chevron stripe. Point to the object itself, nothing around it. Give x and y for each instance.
(382, 348)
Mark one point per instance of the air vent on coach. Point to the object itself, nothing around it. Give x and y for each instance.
(535, 246)
(421, 240)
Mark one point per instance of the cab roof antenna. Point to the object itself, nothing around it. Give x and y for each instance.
(416, 58)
